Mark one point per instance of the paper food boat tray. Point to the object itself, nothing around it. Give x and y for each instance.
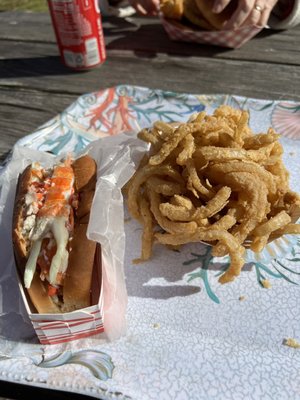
(66, 327)
(231, 38)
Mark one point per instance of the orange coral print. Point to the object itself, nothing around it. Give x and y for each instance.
(121, 116)
(97, 114)
(115, 119)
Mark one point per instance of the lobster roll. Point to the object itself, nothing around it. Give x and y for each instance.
(54, 257)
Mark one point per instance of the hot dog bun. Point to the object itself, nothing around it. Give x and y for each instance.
(19, 242)
(192, 14)
(38, 294)
(216, 20)
(197, 12)
(75, 290)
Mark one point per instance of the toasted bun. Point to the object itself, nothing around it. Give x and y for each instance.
(39, 297)
(19, 242)
(193, 15)
(216, 20)
(77, 282)
(172, 9)
(78, 279)
(85, 170)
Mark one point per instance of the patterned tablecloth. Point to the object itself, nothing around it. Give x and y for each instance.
(188, 337)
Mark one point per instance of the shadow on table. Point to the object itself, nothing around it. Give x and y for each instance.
(128, 35)
(168, 273)
(266, 33)
(141, 40)
(120, 35)
(35, 66)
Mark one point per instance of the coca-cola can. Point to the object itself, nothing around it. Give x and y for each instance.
(79, 34)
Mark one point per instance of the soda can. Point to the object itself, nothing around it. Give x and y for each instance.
(78, 29)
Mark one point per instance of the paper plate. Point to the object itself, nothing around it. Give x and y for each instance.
(188, 336)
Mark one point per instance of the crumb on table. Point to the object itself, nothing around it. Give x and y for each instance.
(266, 283)
(290, 342)
(242, 298)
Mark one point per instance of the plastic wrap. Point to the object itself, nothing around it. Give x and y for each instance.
(114, 157)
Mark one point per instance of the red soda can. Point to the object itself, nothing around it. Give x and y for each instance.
(79, 34)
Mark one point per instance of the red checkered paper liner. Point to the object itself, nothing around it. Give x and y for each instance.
(231, 38)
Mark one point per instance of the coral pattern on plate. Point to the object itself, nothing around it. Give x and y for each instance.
(188, 336)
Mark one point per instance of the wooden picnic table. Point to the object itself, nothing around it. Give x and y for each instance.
(35, 86)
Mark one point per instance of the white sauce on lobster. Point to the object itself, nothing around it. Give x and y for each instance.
(51, 221)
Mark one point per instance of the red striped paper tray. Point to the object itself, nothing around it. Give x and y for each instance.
(66, 327)
(70, 326)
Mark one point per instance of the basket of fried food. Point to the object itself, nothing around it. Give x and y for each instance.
(193, 21)
(212, 180)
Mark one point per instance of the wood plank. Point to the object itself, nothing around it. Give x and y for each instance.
(267, 46)
(27, 103)
(134, 33)
(23, 111)
(27, 26)
(35, 86)
(195, 75)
